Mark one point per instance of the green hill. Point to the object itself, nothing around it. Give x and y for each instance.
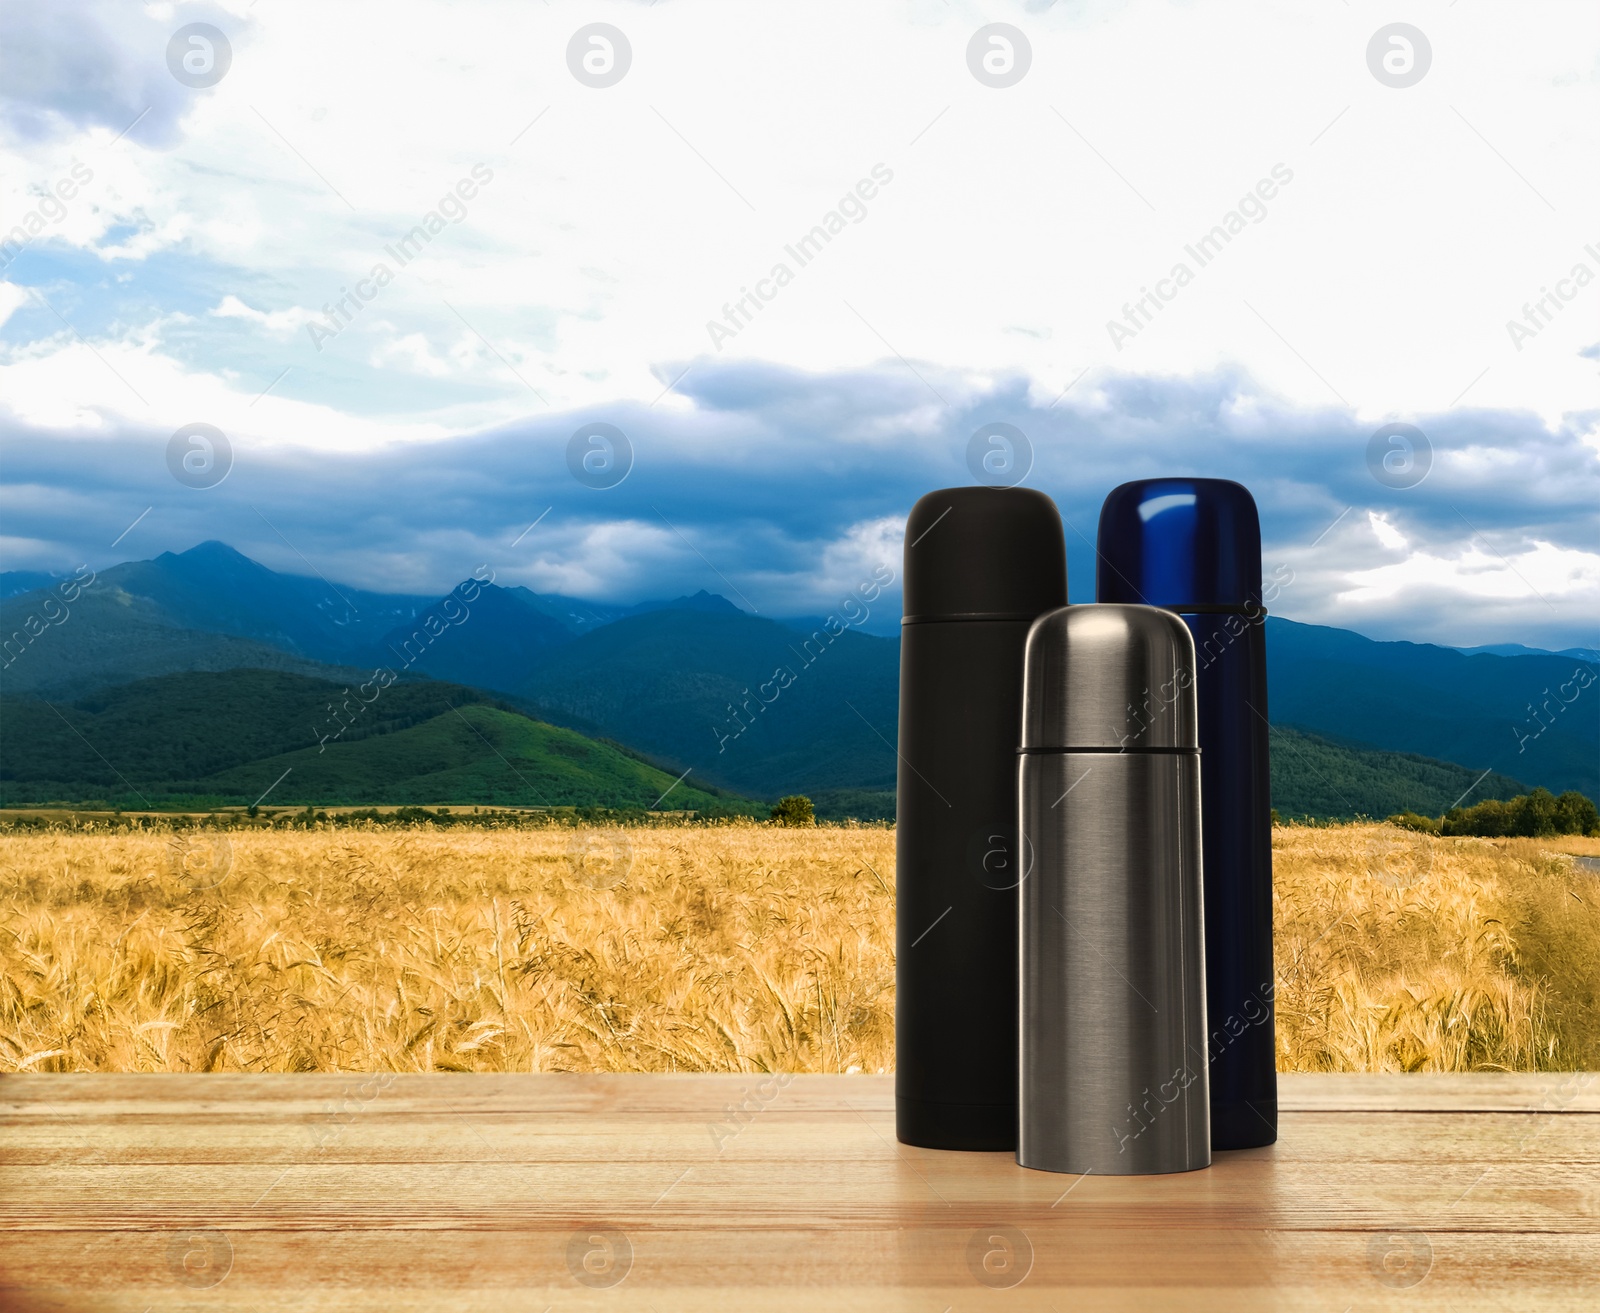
(1312, 776)
(208, 738)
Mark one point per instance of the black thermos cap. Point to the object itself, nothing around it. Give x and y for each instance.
(979, 553)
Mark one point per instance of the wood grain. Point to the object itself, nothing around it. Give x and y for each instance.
(742, 1192)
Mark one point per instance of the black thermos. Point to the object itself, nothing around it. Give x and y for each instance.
(981, 564)
(1194, 546)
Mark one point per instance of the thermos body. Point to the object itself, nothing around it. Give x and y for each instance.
(1231, 659)
(956, 884)
(980, 565)
(1112, 1026)
(1111, 930)
(1193, 546)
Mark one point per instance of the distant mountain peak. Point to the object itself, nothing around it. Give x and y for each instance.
(212, 549)
(211, 561)
(700, 601)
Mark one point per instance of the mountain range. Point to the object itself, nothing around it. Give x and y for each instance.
(735, 702)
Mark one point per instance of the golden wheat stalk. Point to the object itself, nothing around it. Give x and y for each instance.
(719, 947)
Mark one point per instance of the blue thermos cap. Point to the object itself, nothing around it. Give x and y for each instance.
(1179, 543)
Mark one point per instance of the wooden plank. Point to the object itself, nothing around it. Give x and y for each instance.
(378, 1137)
(920, 1267)
(1453, 1092)
(739, 1192)
(1541, 1195)
(271, 1095)
(162, 1094)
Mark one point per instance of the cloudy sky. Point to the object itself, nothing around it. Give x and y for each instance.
(404, 256)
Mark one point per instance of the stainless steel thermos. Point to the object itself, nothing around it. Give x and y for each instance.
(980, 565)
(1194, 547)
(1112, 1027)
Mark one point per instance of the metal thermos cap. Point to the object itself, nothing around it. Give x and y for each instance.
(983, 554)
(1108, 677)
(1179, 543)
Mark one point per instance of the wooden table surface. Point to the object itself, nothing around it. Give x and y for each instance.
(674, 1193)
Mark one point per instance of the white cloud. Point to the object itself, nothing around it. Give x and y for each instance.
(624, 219)
(11, 296)
(1455, 587)
(611, 560)
(280, 323)
(412, 352)
(1477, 573)
(88, 388)
(868, 553)
(1386, 533)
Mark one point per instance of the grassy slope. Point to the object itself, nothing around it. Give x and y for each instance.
(1313, 777)
(475, 754)
(227, 736)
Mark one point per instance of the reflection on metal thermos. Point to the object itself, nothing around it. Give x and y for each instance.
(980, 565)
(1194, 547)
(1113, 1023)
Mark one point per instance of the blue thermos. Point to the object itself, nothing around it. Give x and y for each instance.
(1193, 546)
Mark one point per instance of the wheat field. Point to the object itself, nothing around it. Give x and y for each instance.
(704, 947)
